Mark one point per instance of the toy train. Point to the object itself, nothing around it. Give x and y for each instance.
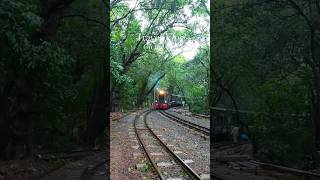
(164, 100)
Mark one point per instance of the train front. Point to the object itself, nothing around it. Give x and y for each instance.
(160, 100)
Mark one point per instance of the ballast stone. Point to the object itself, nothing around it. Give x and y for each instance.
(164, 164)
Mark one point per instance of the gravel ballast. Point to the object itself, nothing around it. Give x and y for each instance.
(187, 145)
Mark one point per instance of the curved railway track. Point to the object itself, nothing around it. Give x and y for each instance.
(274, 170)
(191, 125)
(143, 128)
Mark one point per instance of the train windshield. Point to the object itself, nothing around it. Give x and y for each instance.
(162, 99)
(161, 96)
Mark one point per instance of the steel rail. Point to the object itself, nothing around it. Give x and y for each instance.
(201, 129)
(222, 146)
(212, 174)
(160, 175)
(201, 115)
(187, 168)
(288, 170)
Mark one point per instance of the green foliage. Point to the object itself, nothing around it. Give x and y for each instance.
(259, 59)
(63, 71)
(190, 78)
(141, 37)
(199, 8)
(281, 130)
(182, 35)
(45, 62)
(116, 75)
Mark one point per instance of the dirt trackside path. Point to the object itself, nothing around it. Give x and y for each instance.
(127, 160)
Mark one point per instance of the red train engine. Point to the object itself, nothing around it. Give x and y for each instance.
(160, 100)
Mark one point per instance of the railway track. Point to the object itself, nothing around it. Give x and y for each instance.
(254, 168)
(227, 145)
(201, 115)
(245, 163)
(191, 125)
(148, 138)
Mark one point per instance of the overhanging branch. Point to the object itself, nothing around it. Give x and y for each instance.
(85, 18)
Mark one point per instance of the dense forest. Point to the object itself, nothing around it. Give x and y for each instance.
(147, 45)
(55, 69)
(266, 60)
(53, 75)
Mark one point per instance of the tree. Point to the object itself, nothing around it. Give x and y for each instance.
(46, 74)
(261, 52)
(131, 40)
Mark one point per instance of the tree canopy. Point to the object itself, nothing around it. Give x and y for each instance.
(265, 60)
(148, 38)
(52, 63)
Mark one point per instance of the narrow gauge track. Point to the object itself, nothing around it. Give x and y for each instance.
(201, 115)
(142, 130)
(230, 145)
(267, 169)
(191, 125)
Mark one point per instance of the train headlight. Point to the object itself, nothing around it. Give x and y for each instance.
(161, 92)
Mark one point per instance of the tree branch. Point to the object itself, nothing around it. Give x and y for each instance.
(154, 85)
(85, 18)
(205, 6)
(295, 6)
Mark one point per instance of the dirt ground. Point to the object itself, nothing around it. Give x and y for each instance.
(127, 160)
(35, 167)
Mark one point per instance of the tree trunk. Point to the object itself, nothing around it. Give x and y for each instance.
(316, 107)
(16, 116)
(141, 96)
(142, 93)
(116, 99)
(100, 123)
(99, 119)
(17, 119)
(4, 119)
(315, 54)
(235, 105)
